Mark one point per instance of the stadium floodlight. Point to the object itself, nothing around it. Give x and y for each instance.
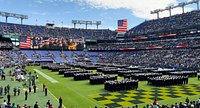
(182, 5)
(169, 8)
(97, 23)
(156, 12)
(18, 16)
(197, 2)
(194, 1)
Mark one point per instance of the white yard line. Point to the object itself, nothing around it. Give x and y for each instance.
(54, 81)
(46, 76)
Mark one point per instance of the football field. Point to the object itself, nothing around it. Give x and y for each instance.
(80, 94)
(39, 96)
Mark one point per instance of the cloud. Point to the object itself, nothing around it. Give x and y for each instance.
(139, 8)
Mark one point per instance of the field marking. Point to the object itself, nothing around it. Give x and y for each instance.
(86, 97)
(46, 76)
(56, 98)
(89, 99)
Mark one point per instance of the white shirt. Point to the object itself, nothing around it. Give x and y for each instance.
(4, 104)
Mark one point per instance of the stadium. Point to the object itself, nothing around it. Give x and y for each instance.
(155, 64)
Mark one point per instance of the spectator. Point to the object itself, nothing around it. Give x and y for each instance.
(48, 104)
(36, 105)
(4, 104)
(13, 106)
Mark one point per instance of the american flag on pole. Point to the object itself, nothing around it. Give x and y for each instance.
(122, 25)
(25, 42)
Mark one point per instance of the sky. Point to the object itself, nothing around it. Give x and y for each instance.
(107, 11)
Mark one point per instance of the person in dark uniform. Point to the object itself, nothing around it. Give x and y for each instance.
(45, 91)
(198, 77)
(36, 105)
(26, 95)
(18, 91)
(5, 90)
(187, 100)
(15, 91)
(8, 97)
(8, 88)
(29, 89)
(60, 102)
(34, 88)
(48, 103)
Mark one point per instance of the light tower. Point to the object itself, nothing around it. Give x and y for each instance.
(18, 16)
(194, 1)
(169, 8)
(156, 12)
(182, 5)
(197, 2)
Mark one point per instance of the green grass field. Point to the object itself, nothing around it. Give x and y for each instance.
(39, 96)
(80, 94)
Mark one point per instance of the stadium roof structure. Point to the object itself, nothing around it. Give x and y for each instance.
(169, 8)
(97, 23)
(18, 16)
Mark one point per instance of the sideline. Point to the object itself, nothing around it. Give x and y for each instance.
(55, 81)
(46, 76)
(56, 99)
(51, 80)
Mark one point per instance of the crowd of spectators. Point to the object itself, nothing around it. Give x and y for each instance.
(31, 30)
(5, 59)
(166, 44)
(177, 58)
(5, 45)
(188, 58)
(187, 104)
(180, 21)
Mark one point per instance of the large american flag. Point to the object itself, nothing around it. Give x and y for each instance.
(122, 25)
(25, 42)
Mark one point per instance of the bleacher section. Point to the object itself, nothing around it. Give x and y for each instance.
(42, 53)
(167, 24)
(30, 30)
(189, 42)
(171, 42)
(28, 53)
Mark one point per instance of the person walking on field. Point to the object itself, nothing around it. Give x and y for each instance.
(18, 91)
(48, 104)
(29, 89)
(43, 86)
(26, 95)
(15, 91)
(60, 102)
(34, 88)
(36, 105)
(8, 97)
(45, 91)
